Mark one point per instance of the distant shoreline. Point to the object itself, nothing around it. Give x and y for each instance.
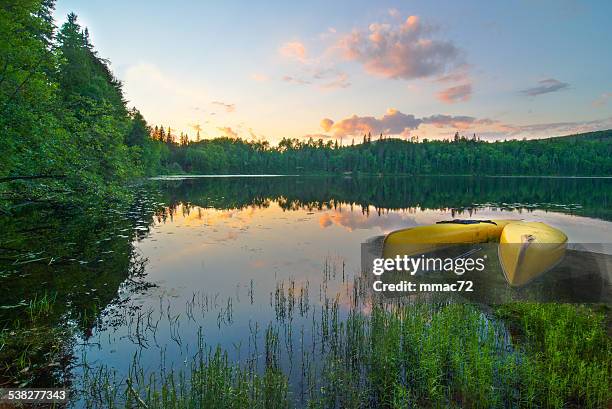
(250, 175)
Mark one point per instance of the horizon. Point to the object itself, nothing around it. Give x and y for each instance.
(358, 140)
(423, 71)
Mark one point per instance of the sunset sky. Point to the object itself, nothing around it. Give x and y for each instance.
(339, 69)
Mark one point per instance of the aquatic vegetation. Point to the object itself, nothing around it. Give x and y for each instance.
(306, 335)
(408, 355)
(32, 350)
(569, 349)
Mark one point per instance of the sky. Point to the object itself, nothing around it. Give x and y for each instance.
(338, 69)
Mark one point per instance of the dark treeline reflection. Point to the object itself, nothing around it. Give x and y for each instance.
(59, 269)
(587, 197)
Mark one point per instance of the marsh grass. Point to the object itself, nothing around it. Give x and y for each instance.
(569, 349)
(209, 381)
(391, 356)
(32, 351)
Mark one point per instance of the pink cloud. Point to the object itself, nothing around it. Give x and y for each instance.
(294, 50)
(228, 132)
(400, 51)
(326, 124)
(456, 93)
(393, 122)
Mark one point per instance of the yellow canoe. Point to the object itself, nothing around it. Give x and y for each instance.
(529, 249)
(424, 239)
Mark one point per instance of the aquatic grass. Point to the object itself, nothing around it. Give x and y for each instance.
(395, 355)
(40, 306)
(32, 350)
(569, 349)
(209, 381)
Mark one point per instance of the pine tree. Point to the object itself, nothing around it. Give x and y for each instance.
(169, 138)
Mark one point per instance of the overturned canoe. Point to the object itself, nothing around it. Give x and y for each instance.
(529, 249)
(424, 239)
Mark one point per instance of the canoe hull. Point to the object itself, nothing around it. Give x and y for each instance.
(529, 249)
(425, 239)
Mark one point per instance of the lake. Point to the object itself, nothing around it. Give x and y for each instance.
(219, 261)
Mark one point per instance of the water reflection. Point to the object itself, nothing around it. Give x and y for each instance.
(228, 256)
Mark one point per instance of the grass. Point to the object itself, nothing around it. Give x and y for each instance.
(212, 382)
(569, 349)
(32, 351)
(416, 355)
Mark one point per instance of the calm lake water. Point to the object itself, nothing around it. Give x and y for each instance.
(219, 259)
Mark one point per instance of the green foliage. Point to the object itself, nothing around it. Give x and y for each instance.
(588, 155)
(571, 353)
(67, 134)
(431, 355)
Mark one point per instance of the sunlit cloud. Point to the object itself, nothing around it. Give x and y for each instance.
(393, 122)
(396, 123)
(400, 51)
(227, 132)
(293, 50)
(327, 124)
(456, 93)
(545, 87)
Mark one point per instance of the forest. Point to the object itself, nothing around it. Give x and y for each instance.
(68, 132)
(579, 155)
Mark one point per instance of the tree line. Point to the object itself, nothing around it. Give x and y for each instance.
(67, 132)
(587, 155)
